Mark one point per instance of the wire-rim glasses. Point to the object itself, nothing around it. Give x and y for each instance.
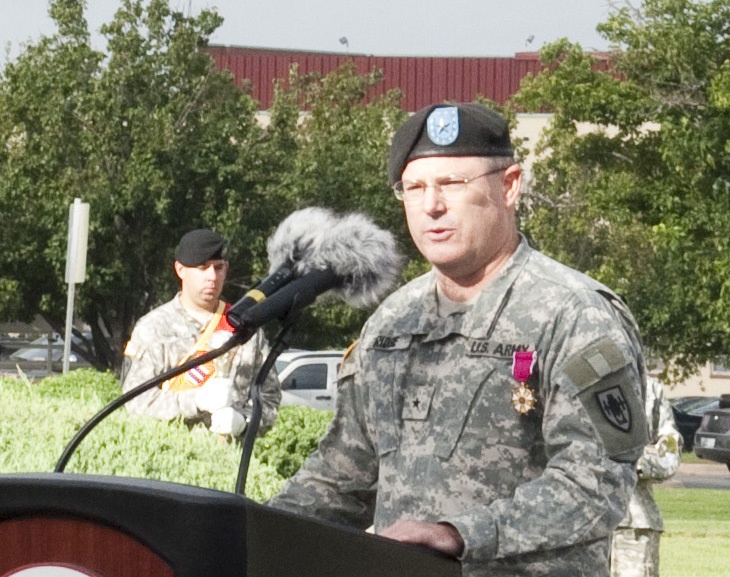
(451, 187)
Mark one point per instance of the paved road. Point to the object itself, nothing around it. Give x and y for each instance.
(700, 476)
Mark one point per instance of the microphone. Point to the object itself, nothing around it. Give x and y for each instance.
(295, 237)
(347, 254)
(260, 292)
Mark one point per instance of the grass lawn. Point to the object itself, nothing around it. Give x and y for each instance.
(696, 536)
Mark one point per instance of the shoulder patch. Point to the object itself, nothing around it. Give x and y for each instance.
(349, 350)
(610, 392)
(347, 368)
(594, 363)
(615, 408)
(131, 350)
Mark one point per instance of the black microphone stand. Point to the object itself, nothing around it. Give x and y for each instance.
(280, 344)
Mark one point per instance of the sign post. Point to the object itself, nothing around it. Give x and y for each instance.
(78, 235)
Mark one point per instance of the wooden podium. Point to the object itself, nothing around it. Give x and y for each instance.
(120, 527)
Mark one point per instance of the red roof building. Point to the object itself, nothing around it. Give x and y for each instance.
(423, 80)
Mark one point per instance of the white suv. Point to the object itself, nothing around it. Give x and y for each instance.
(309, 377)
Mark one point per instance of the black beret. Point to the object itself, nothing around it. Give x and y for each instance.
(463, 129)
(199, 246)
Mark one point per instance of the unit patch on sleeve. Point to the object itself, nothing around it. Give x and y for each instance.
(614, 407)
(606, 387)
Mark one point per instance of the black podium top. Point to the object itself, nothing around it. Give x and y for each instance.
(199, 532)
(208, 533)
(283, 544)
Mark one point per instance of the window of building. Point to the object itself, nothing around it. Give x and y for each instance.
(720, 367)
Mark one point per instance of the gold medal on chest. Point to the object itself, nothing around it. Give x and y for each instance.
(523, 399)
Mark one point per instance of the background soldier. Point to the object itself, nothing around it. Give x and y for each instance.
(635, 546)
(191, 324)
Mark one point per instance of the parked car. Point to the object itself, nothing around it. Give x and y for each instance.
(33, 357)
(309, 378)
(712, 439)
(688, 412)
(10, 344)
(38, 349)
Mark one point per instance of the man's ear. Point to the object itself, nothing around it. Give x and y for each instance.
(512, 180)
(179, 270)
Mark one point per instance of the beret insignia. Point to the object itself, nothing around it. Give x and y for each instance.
(443, 125)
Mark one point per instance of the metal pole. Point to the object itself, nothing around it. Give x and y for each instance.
(78, 230)
(69, 325)
(50, 341)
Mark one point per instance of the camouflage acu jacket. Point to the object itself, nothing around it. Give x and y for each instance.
(429, 426)
(658, 462)
(166, 334)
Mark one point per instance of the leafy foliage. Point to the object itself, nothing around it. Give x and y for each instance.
(641, 200)
(159, 142)
(293, 438)
(37, 420)
(151, 135)
(337, 154)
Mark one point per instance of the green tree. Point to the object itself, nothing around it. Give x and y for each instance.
(40, 131)
(642, 199)
(151, 135)
(335, 155)
(158, 141)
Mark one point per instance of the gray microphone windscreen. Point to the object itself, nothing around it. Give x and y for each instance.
(352, 246)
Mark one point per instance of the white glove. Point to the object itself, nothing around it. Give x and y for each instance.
(227, 421)
(659, 462)
(215, 394)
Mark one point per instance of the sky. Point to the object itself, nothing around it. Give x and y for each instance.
(376, 27)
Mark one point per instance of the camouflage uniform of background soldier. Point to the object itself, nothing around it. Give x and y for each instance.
(635, 546)
(502, 428)
(216, 393)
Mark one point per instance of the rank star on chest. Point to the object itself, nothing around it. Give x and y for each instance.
(417, 403)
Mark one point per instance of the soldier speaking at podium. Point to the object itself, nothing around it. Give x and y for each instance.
(191, 324)
(492, 408)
